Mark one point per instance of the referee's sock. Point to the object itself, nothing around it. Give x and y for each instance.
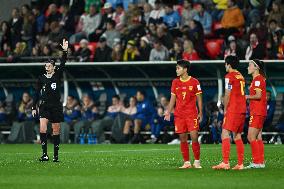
(43, 140)
(56, 141)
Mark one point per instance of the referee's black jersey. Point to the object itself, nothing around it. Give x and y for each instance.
(47, 89)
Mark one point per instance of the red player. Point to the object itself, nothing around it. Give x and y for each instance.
(234, 113)
(258, 112)
(184, 92)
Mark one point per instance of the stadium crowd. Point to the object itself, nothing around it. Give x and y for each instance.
(140, 30)
(87, 120)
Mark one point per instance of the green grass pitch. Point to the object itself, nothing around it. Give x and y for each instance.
(132, 166)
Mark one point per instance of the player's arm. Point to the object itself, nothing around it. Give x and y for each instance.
(226, 99)
(257, 96)
(200, 106)
(36, 97)
(63, 58)
(171, 106)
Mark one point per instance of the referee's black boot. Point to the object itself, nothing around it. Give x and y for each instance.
(55, 159)
(43, 158)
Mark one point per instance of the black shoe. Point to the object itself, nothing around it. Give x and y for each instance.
(43, 158)
(55, 159)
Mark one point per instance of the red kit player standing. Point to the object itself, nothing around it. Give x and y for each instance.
(185, 91)
(234, 113)
(258, 112)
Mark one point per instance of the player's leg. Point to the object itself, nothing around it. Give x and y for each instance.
(43, 138)
(226, 145)
(56, 140)
(195, 148)
(240, 150)
(261, 149)
(184, 150)
(126, 130)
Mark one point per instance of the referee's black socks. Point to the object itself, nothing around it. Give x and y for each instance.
(56, 141)
(43, 140)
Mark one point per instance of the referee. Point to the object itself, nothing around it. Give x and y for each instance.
(50, 108)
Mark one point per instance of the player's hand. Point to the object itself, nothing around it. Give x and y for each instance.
(200, 117)
(64, 45)
(34, 113)
(167, 115)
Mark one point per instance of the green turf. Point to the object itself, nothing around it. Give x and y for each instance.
(132, 166)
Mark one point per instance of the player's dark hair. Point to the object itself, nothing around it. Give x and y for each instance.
(260, 65)
(142, 92)
(51, 61)
(184, 64)
(233, 61)
(116, 96)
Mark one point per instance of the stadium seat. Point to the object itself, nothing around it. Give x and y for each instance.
(213, 47)
(216, 26)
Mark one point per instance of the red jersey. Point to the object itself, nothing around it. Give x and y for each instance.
(258, 107)
(191, 56)
(185, 92)
(235, 82)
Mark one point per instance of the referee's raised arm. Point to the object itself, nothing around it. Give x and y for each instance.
(63, 58)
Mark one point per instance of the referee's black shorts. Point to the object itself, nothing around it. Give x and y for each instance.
(54, 113)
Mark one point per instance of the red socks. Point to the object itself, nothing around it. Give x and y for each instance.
(196, 150)
(226, 150)
(184, 151)
(261, 151)
(254, 151)
(240, 151)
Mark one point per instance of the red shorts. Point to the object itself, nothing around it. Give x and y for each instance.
(256, 121)
(234, 122)
(185, 125)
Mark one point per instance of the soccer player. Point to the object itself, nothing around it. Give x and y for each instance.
(258, 112)
(50, 107)
(185, 91)
(234, 113)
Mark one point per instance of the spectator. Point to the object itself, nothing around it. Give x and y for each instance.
(187, 13)
(159, 52)
(46, 51)
(144, 49)
(53, 14)
(21, 50)
(39, 20)
(55, 36)
(189, 53)
(233, 49)
(101, 125)
(90, 23)
(28, 28)
(276, 13)
(156, 15)
(89, 113)
(165, 37)
(280, 53)
(176, 52)
(83, 53)
(216, 121)
(143, 117)
(218, 12)
(171, 18)
(16, 23)
(232, 20)
(147, 9)
(107, 15)
(196, 35)
(88, 3)
(116, 54)
(255, 50)
(25, 108)
(103, 52)
(111, 34)
(119, 17)
(130, 113)
(204, 18)
(5, 35)
(261, 32)
(131, 52)
(3, 114)
(67, 20)
(71, 115)
(271, 105)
